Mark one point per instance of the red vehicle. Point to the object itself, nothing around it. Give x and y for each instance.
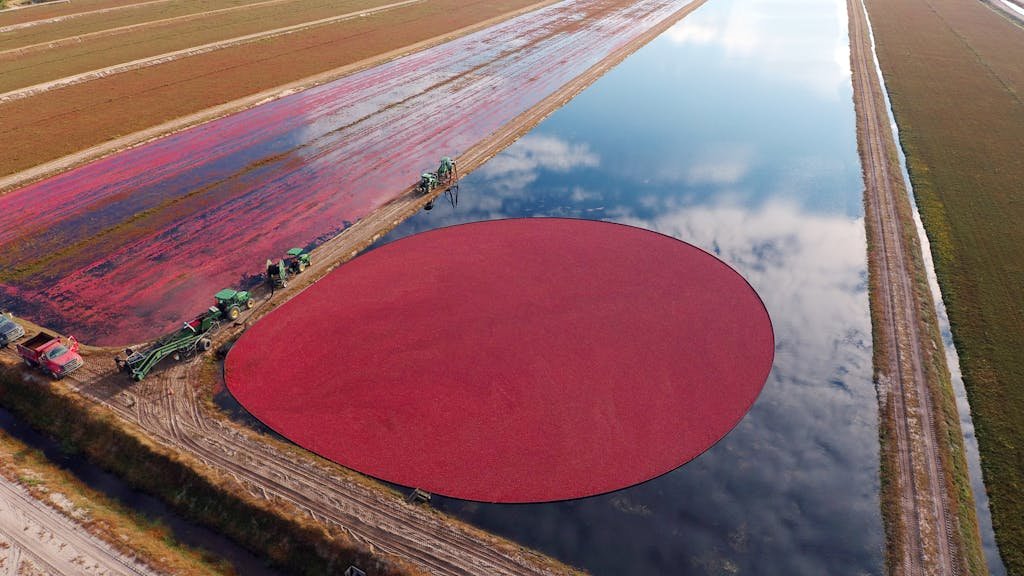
(53, 356)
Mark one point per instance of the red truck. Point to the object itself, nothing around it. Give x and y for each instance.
(53, 356)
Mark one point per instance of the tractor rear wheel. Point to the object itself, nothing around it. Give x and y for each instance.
(233, 313)
(302, 266)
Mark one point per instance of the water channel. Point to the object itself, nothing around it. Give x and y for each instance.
(149, 507)
(733, 131)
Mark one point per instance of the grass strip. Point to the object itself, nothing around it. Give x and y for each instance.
(955, 81)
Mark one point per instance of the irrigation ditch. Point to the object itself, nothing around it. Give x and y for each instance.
(290, 543)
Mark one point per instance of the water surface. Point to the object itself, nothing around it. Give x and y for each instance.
(733, 131)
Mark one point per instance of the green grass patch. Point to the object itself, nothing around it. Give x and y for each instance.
(955, 87)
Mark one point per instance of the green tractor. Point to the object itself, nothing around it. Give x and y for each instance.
(230, 302)
(297, 260)
(428, 181)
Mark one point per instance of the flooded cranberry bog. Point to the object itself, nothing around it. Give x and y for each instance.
(122, 249)
(548, 371)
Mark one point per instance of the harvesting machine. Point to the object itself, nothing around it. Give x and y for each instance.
(445, 175)
(192, 338)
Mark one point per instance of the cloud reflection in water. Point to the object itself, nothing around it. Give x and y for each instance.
(793, 489)
(765, 32)
(734, 132)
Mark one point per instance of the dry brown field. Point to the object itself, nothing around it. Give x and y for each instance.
(19, 69)
(94, 112)
(955, 75)
(97, 21)
(59, 9)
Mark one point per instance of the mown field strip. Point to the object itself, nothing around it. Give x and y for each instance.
(24, 6)
(63, 17)
(95, 22)
(171, 56)
(80, 38)
(110, 113)
(19, 70)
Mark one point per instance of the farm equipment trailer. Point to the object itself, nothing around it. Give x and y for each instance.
(192, 338)
(295, 261)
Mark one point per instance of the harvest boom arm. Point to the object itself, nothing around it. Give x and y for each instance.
(191, 337)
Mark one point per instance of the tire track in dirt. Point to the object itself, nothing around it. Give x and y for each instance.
(54, 542)
(925, 522)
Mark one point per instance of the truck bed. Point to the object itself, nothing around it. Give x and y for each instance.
(37, 341)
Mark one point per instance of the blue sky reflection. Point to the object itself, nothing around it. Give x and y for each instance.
(733, 131)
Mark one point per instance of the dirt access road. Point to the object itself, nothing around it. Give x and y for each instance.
(36, 539)
(169, 407)
(924, 539)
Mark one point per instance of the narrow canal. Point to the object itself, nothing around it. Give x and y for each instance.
(148, 507)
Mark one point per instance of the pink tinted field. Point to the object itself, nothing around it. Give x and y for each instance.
(121, 250)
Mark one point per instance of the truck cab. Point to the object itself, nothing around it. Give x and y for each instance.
(52, 355)
(9, 329)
